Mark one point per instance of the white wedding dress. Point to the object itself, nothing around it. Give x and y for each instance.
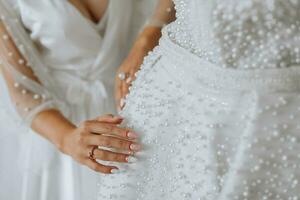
(217, 106)
(75, 61)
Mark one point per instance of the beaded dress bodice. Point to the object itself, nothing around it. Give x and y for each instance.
(240, 33)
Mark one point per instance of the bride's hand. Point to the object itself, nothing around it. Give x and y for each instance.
(147, 40)
(103, 131)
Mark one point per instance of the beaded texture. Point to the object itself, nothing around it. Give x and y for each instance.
(217, 105)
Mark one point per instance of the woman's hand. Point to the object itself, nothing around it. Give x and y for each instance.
(103, 132)
(147, 40)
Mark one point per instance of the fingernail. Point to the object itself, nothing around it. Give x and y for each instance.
(135, 147)
(122, 102)
(114, 171)
(118, 117)
(128, 80)
(132, 135)
(131, 159)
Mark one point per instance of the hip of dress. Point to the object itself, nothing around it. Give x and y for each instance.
(223, 133)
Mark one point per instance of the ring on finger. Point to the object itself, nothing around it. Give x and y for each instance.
(122, 76)
(92, 152)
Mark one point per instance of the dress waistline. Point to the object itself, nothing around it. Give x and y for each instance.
(191, 69)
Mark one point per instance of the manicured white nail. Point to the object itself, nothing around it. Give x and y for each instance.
(115, 171)
(132, 135)
(135, 147)
(131, 159)
(128, 80)
(122, 102)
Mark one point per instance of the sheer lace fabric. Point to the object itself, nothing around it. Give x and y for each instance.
(27, 92)
(36, 52)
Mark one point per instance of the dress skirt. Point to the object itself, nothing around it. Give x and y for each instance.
(210, 133)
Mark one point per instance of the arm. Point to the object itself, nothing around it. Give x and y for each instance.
(146, 41)
(28, 95)
(163, 14)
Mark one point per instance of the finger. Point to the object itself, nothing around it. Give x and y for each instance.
(112, 156)
(124, 93)
(118, 94)
(110, 129)
(94, 165)
(132, 74)
(112, 142)
(109, 118)
(129, 79)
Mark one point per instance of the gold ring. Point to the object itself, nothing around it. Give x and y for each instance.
(91, 153)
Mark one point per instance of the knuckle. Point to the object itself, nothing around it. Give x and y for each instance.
(84, 126)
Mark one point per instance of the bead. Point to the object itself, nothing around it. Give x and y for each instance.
(5, 37)
(16, 85)
(21, 61)
(219, 45)
(36, 96)
(24, 91)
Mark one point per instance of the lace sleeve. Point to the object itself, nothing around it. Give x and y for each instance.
(26, 91)
(163, 14)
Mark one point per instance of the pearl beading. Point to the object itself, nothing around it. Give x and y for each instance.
(245, 34)
(208, 132)
(211, 76)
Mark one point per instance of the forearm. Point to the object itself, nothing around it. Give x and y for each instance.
(53, 126)
(148, 39)
(163, 14)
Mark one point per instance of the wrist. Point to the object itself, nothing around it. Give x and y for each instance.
(62, 142)
(52, 125)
